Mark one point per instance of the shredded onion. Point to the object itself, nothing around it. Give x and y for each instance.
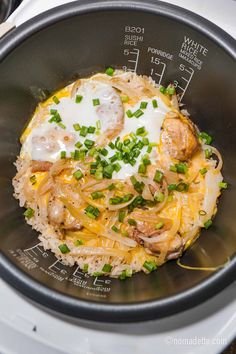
(97, 251)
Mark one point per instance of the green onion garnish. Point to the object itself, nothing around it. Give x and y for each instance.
(208, 153)
(96, 102)
(114, 228)
(142, 168)
(138, 113)
(172, 187)
(97, 274)
(223, 185)
(159, 225)
(98, 124)
(91, 129)
(182, 187)
(150, 265)
(64, 248)
(203, 171)
(124, 99)
(107, 171)
(78, 98)
(125, 274)
(56, 100)
(115, 200)
(97, 195)
(207, 224)
(83, 131)
(76, 127)
(121, 215)
(171, 90)
(29, 213)
(154, 103)
(143, 105)
(85, 267)
(107, 268)
(206, 138)
(78, 242)
(138, 186)
(129, 113)
(140, 131)
(162, 89)
(92, 212)
(180, 167)
(132, 222)
(111, 187)
(104, 152)
(109, 71)
(159, 197)
(78, 144)
(89, 143)
(111, 145)
(63, 154)
(61, 125)
(117, 167)
(158, 176)
(78, 174)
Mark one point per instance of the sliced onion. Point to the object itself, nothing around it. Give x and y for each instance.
(217, 153)
(97, 251)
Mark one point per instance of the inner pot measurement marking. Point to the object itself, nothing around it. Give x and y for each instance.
(58, 266)
(36, 251)
(185, 78)
(132, 58)
(158, 70)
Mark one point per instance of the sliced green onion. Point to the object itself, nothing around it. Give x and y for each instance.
(145, 141)
(76, 127)
(56, 100)
(140, 131)
(129, 113)
(29, 213)
(78, 174)
(97, 195)
(111, 187)
(146, 161)
(126, 274)
(159, 197)
(85, 267)
(92, 151)
(115, 200)
(64, 248)
(104, 152)
(159, 225)
(121, 215)
(109, 71)
(142, 169)
(89, 143)
(180, 167)
(107, 268)
(172, 187)
(117, 167)
(97, 274)
(78, 144)
(171, 90)
(207, 224)
(98, 124)
(173, 168)
(61, 125)
(154, 103)
(223, 185)
(63, 154)
(114, 228)
(132, 222)
(91, 129)
(107, 171)
(96, 102)
(182, 187)
(138, 186)
(83, 131)
(203, 171)
(150, 265)
(158, 176)
(78, 242)
(92, 212)
(208, 153)
(143, 105)
(127, 197)
(78, 98)
(206, 138)
(138, 113)
(111, 145)
(124, 99)
(162, 89)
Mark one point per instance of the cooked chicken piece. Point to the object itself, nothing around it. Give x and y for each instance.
(179, 137)
(40, 166)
